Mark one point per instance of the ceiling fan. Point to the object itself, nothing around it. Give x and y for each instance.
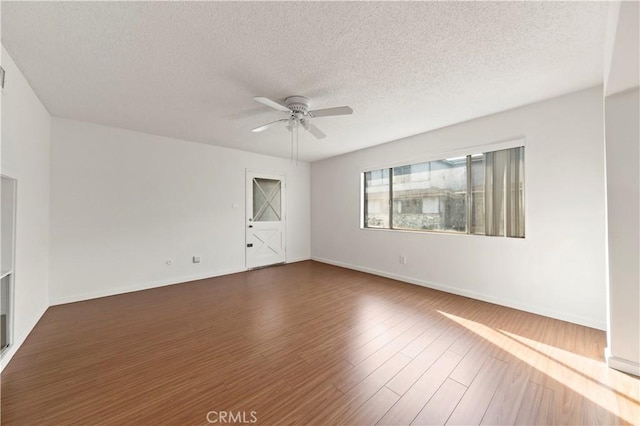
(299, 114)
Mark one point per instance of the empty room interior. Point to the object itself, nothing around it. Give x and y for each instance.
(353, 213)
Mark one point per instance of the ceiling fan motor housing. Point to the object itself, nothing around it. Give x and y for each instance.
(298, 104)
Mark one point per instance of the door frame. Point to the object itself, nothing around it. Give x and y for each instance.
(248, 207)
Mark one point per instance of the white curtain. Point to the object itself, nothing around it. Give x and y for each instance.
(504, 192)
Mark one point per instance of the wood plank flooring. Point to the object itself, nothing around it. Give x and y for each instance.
(309, 343)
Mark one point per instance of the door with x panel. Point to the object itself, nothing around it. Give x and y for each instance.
(265, 219)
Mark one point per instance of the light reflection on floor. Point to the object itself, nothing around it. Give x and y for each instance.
(588, 377)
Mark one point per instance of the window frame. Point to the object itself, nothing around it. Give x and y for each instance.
(467, 152)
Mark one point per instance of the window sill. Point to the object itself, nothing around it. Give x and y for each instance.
(428, 231)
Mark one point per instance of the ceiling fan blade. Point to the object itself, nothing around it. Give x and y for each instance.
(343, 110)
(272, 104)
(266, 126)
(319, 134)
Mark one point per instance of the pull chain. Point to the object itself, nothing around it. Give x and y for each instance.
(294, 124)
(291, 130)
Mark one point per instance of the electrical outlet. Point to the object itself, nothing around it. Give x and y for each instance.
(196, 259)
(403, 260)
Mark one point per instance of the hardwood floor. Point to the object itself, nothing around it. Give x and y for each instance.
(309, 343)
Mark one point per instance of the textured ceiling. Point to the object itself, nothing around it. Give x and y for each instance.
(190, 70)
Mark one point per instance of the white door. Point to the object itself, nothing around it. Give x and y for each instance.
(265, 219)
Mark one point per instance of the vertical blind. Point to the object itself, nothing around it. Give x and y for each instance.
(504, 198)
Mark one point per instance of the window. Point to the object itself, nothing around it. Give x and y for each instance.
(480, 194)
(437, 203)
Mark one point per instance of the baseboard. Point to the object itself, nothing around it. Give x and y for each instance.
(139, 287)
(298, 259)
(621, 364)
(473, 295)
(19, 340)
(154, 284)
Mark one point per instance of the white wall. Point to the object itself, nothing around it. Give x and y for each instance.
(25, 157)
(557, 270)
(621, 65)
(623, 201)
(123, 203)
(622, 124)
